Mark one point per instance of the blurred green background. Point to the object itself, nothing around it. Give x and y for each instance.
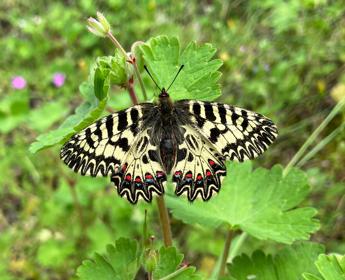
(284, 59)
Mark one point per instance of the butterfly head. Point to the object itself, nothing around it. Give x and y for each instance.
(163, 93)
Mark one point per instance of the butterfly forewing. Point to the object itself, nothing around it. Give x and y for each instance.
(236, 133)
(115, 146)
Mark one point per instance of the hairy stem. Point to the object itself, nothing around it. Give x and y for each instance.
(226, 252)
(118, 45)
(131, 91)
(137, 73)
(164, 221)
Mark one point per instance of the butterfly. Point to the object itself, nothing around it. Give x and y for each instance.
(140, 146)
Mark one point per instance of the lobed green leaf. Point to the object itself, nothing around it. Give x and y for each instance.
(120, 262)
(199, 77)
(260, 202)
(290, 263)
(330, 267)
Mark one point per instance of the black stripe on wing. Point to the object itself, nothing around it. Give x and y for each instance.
(236, 133)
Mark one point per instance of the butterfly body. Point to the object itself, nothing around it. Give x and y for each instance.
(191, 140)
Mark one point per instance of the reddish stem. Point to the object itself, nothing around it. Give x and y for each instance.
(131, 91)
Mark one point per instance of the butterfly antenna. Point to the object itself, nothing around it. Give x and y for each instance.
(148, 72)
(178, 72)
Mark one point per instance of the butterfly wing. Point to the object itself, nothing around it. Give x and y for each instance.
(110, 147)
(141, 174)
(198, 168)
(236, 133)
(213, 133)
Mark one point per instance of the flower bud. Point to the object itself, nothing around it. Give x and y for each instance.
(99, 27)
(104, 22)
(150, 260)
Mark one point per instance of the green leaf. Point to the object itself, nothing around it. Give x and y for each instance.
(288, 264)
(331, 267)
(114, 68)
(260, 202)
(199, 77)
(169, 264)
(120, 262)
(100, 85)
(84, 115)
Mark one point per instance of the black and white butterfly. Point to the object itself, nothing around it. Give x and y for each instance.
(138, 147)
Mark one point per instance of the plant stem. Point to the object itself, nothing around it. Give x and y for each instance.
(118, 45)
(137, 73)
(131, 91)
(313, 136)
(175, 273)
(226, 252)
(237, 245)
(321, 145)
(130, 59)
(165, 221)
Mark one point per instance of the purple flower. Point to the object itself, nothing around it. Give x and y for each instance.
(58, 79)
(18, 82)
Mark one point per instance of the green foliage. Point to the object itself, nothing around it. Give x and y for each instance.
(261, 203)
(199, 77)
(53, 253)
(120, 262)
(289, 263)
(123, 260)
(84, 115)
(169, 261)
(331, 267)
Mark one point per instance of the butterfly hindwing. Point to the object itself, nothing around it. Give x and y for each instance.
(115, 146)
(198, 168)
(141, 174)
(236, 133)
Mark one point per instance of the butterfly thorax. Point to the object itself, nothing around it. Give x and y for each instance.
(168, 125)
(166, 105)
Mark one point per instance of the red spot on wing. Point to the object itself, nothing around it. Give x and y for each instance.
(178, 173)
(148, 176)
(208, 173)
(128, 177)
(138, 179)
(159, 174)
(199, 177)
(211, 162)
(189, 175)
